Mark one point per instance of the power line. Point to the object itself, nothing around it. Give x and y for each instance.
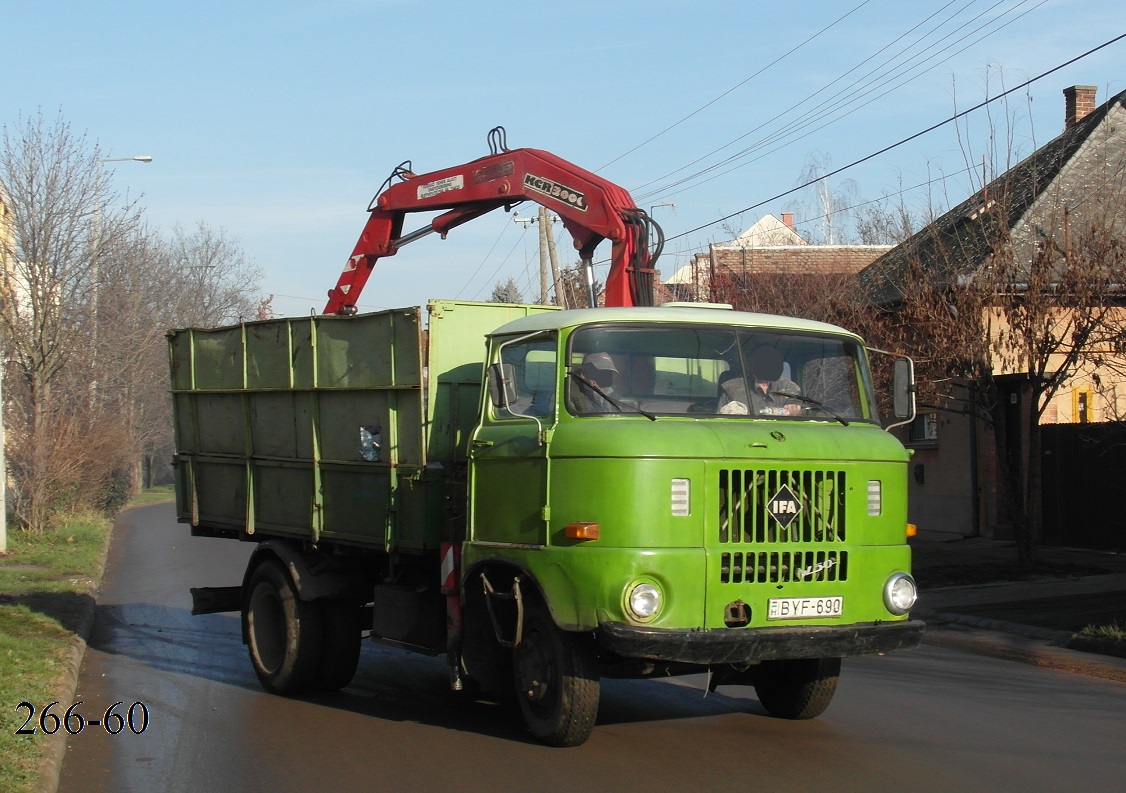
(779, 115)
(904, 141)
(503, 228)
(885, 196)
(735, 87)
(504, 261)
(867, 90)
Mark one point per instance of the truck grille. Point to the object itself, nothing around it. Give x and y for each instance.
(783, 567)
(780, 506)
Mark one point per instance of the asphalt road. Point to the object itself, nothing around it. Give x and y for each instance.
(930, 719)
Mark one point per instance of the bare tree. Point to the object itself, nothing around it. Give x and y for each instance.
(151, 285)
(826, 297)
(830, 204)
(265, 309)
(62, 214)
(211, 277)
(889, 220)
(1014, 293)
(87, 295)
(574, 291)
(1050, 312)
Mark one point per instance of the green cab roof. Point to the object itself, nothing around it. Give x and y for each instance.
(557, 320)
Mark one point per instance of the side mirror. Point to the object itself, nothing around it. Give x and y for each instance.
(502, 384)
(903, 389)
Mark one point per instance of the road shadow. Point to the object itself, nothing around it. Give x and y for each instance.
(69, 609)
(390, 684)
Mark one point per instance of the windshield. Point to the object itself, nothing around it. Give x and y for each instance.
(672, 370)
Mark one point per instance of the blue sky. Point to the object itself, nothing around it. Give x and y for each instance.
(277, 121)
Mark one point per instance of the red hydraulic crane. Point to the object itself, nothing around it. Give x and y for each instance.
(591, 208)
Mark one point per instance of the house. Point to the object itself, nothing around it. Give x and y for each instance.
(1042, 206)
(771, 247)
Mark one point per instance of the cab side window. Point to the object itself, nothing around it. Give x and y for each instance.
(532, 364)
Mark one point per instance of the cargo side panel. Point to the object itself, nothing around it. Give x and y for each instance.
(268, 419)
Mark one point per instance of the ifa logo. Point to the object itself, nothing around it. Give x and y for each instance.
(784, 506)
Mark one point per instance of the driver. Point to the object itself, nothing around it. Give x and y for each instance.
(767, 395)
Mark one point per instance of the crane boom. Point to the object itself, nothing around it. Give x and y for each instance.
(591, 208)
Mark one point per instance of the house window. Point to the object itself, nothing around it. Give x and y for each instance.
(924, 429)
(1081, 407)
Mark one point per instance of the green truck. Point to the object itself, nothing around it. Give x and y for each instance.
(548, 497)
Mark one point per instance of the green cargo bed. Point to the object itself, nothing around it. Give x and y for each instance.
(269, 414)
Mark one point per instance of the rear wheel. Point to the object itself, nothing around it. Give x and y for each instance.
(556, 681)
(340, 647)
(798, 689)
(283, 632)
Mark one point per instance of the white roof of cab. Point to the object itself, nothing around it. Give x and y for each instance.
(554, 320)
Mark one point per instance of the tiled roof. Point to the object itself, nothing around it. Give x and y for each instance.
(959, 243)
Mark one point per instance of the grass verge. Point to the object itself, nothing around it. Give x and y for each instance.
(47, 584)
(1113, 632)
(154, 495)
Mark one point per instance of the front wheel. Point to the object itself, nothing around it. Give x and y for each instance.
(798, 689)
(556, 681)
(283, 632)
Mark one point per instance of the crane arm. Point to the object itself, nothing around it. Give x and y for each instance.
(591, 208)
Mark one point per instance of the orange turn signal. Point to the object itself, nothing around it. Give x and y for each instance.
(912, 529)
(581, 531)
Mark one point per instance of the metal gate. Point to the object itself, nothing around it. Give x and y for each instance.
(1084, 474)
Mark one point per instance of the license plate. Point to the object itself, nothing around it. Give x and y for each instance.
(804, 608)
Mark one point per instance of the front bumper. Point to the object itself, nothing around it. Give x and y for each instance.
(743, 645)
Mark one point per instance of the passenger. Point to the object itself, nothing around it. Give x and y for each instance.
(598, 373)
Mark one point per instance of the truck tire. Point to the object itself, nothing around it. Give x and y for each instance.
(340, 647)
(798, 689)
(283, 632)
(556, 681)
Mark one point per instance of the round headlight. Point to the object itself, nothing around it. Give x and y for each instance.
(644, 601)
(900, 593)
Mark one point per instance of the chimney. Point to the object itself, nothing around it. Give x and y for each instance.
(788, 219)
(1079, 100)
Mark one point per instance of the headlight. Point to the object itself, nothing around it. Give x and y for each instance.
(900, 593)
(644, 601)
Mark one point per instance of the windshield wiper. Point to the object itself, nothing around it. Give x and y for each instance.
(816, 403)
(612, 400)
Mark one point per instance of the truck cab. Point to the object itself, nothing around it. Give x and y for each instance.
(683, 488)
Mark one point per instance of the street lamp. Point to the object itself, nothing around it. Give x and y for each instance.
(94, 262)
(98, 197)
(138, 158)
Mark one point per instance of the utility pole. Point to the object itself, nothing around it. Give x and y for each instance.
(548, 253)
(545, 231)
(560, 298)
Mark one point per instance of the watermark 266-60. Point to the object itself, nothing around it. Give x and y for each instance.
(116, 719)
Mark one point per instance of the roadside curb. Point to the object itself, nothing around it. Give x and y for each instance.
(985, 623)
(1014, 642)
(51, 766)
